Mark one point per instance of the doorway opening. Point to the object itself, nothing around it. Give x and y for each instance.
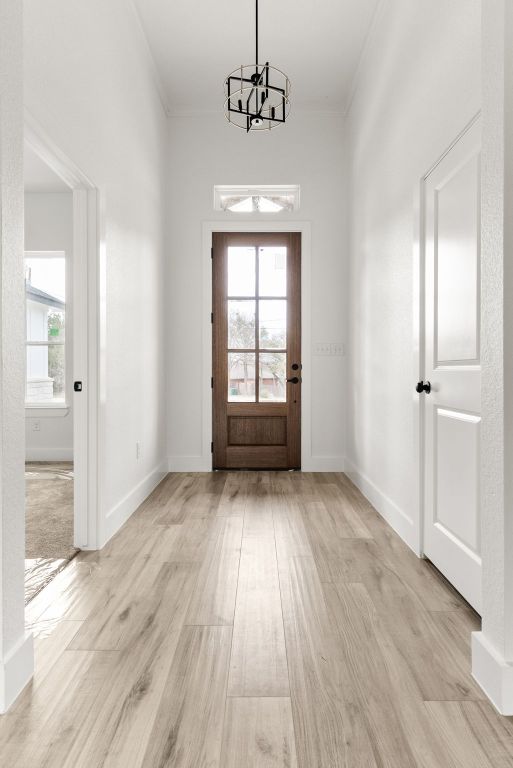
(256, 352)
(60, 352)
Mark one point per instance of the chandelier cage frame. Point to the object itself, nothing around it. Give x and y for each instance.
(257, 95)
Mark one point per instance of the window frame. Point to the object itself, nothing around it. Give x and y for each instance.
(58, 406)
(222, 191)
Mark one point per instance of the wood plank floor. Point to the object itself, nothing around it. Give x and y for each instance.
(253, 620)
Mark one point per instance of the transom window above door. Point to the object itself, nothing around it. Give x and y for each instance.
(256, 199)
(257, 324)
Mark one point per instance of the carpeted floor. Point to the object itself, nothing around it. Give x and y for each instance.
(49, 522)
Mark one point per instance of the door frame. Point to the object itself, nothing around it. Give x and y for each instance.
(87, 331)
(419, 335)
(262, 225)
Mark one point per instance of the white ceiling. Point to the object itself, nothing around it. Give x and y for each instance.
(38, 177)
(196, 43)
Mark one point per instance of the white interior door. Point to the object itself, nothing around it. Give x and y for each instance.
(452, 367)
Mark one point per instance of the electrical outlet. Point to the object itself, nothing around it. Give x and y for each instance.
(36, 426)
(138, 450)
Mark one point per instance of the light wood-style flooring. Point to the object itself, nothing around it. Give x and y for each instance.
(253, 620)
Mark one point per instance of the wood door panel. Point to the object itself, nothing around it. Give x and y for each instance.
(257, 430)
(256, 389)
(256, 457)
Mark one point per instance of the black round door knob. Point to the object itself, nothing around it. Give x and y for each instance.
(293, 380)
(423, 386)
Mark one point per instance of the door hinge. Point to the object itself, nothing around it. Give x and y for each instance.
(211, 382)
(212, 252)
(211, 447)
(212, 317)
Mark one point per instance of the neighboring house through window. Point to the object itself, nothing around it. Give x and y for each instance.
(45, 290)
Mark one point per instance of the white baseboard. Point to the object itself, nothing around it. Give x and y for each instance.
(492, 674)
(49, 454)
(119, 514)
(323, 464)
(16, 671)
(202, 464)
(388, 509)
(189, 464)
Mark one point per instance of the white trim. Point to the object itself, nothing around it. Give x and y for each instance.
(305, 228)
(418, 362)
(44, 254)
(49, 152)
(119, 514)
(324, 464)
(16, 671)
(189, 464)
(49, 454)
(388, 509)
(492, 674)
(249, 190)
(42, 411)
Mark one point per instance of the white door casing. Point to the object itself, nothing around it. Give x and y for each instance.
(452, 409)
(88, 332)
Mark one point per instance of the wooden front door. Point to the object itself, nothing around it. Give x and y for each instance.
(256, 350)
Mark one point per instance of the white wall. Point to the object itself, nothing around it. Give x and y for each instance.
(90, 84)
(492, 649)
(205, 151)
(49, 227)
(16, 658)
(418, 86)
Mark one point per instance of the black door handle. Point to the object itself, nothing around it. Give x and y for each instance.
(423, 386)
(293, 380)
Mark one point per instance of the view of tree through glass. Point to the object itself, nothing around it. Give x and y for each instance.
(45, 281)
(244, 351)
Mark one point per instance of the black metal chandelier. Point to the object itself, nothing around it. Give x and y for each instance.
(257, 95)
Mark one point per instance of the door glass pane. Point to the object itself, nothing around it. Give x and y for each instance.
(241, 325)
(272, 271)
(273, 324)
(241, 377)
(272, 373)
(241, 271)
(45, 374)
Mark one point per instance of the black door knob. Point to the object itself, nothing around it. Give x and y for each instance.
(293, 380)
(423, 386)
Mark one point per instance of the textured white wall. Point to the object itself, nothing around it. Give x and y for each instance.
(497, 326)
(418, 86)
(49, 227)
(90, 84)
(15, 651)
(205, 151)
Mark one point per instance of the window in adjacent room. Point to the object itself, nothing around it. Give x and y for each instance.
(45, 295)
